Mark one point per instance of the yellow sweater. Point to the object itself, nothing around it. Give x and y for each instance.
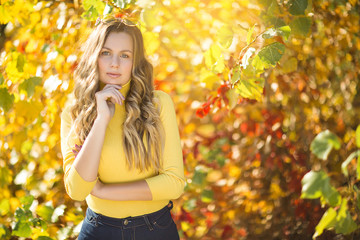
(168, 184)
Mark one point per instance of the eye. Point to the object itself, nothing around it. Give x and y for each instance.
(124, 55)
(105, 53)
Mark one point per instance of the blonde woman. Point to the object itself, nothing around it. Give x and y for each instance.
(120, 140)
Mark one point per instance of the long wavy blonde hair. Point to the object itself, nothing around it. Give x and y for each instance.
(143, 134)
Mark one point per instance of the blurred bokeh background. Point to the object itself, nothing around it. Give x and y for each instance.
(253, 83)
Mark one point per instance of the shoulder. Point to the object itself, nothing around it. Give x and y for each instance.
(66, 113)
(167, 108)
(163, 98)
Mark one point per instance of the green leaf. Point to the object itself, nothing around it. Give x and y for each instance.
(347, 161)
(5, 176)
(29, 85)
(91, 14)
(251, 88)
(276, 22)
(4, 207)
(317, 185)
(4, 232)
(358, 168)
(323, 143)
(20, 63)
(300, 26)
(6, 99)
(236, 74)
(190, 204)
(272, 53)
(285, 32)
(199, 177)
(344, 222)
(44, 238)
(27, 201)
(327, 221)
(22, 229)
(20, 214)
(249, 34)
(225, 36)
(1, 79)
(207, 196)
(282, 31)
(297, 7)
(271, 6)
(357, 196)
(357, 136)
(45, 212)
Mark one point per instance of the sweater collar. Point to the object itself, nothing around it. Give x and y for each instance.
(124, 90)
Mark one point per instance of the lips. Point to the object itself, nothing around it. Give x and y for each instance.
(113, 75)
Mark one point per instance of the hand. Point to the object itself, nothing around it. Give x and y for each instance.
(106, 100)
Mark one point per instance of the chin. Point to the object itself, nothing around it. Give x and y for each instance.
(112, 82)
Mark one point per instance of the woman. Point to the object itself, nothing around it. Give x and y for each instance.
(120, 140)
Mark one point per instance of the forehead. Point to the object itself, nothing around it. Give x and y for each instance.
(119, 41)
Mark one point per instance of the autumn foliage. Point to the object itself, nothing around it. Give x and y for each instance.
(267, 96)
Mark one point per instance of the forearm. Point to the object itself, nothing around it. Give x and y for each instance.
(132, 191)
(87, 161)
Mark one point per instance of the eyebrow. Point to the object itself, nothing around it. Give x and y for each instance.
(126, 50)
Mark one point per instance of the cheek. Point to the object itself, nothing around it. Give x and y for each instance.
(128, 66)
(101, 64)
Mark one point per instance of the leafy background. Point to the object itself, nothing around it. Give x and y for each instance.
(266, 92)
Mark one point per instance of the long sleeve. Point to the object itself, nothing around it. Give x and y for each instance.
(170, 182)
(76, 187)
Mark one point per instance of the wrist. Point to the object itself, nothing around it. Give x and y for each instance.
(99, 120)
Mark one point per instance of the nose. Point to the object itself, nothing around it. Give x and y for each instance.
(115, 62)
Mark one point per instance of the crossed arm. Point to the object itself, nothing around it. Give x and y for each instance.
(86, 164)
(81, 172)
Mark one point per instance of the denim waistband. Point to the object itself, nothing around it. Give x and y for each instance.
(128, 222)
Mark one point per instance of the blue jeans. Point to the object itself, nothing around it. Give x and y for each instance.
(154, 226)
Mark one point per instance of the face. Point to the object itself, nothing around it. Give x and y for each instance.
(115, 59)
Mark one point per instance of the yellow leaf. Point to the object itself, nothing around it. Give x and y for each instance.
(225, 36)
(234, 171)
(206, 130)
(189, 128)
(214, 176)
(290, 65)
(276, 191)
(233, 97)
(28, 110)
(256, 163)
(151, 17)
(230, 215)
(200, 231)
(151, 41)
(5, 16)
(14, 203)
(209, 78)
(214, 59)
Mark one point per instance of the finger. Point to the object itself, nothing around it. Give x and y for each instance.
(120, 96)
(113, 94)
(117, 92)
(112, 85)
